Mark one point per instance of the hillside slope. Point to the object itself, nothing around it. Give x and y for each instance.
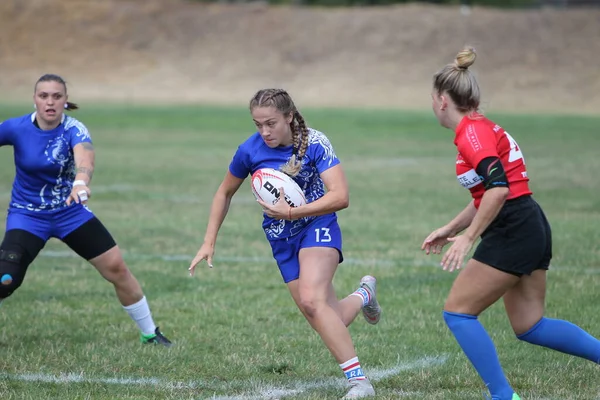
(178, 51)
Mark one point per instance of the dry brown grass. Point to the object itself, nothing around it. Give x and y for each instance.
(177, 51)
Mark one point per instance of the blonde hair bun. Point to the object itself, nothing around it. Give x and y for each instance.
(465, 58)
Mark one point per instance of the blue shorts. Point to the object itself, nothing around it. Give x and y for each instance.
(323, 231)
(57, 224)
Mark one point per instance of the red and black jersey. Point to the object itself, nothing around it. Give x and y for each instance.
(478, 138)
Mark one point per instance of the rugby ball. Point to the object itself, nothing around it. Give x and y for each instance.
(266, 183)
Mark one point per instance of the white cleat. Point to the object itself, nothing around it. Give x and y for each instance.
(371, 311)
(359, 389)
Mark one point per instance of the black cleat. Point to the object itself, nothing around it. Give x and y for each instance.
(156, 338)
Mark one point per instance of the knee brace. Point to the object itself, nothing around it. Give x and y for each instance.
(13, 264)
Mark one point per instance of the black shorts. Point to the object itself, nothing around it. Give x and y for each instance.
(519, 240)
(89, 240)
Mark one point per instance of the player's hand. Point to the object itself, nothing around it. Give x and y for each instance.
(79, 194)
(206, 252)
(436, 240)
(455, 255)
(279, 210)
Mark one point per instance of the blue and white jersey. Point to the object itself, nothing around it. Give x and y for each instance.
(44, 162)
(254, 154)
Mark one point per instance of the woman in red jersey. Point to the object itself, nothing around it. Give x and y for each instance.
(513, 256)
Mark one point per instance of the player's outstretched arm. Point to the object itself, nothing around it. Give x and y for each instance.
(84, 169)
(490, 206)
(463, 220)
(439, 237)
(218, 211)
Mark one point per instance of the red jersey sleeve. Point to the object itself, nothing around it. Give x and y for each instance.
(476, 142)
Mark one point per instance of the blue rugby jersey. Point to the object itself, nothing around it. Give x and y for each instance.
(44, 162)
(254, 154)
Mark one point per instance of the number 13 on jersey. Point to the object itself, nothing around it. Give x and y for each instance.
(322, 235)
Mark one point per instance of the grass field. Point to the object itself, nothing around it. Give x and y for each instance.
(63, 334)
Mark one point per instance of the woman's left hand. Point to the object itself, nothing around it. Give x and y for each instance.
(455, 255)
(279, 210)
(79, 194)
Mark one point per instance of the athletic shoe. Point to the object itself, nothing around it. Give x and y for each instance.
(371, 311)
(359, 388)
(156, 338)
(514, 397)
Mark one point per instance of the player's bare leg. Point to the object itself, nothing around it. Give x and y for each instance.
(314, 295)
(112, 267)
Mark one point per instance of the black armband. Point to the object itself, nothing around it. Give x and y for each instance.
(492, 173)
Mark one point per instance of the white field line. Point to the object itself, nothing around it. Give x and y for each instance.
(595, 270)
(126, 187)
(258, 390)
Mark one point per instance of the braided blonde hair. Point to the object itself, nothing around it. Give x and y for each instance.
(282, 101)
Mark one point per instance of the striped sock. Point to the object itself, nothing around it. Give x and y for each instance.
(363, 294)
(352, 370)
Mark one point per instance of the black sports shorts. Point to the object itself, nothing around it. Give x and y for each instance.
(519, 240)
(89, 241)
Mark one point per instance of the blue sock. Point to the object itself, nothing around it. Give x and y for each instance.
(565, 337)
(480, 350)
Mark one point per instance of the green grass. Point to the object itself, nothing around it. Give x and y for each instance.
(235, 327)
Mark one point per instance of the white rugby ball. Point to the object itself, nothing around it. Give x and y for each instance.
(266, 183)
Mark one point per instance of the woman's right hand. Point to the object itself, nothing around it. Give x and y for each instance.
(206, 252)
(437, 240)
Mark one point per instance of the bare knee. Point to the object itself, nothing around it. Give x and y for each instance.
(525, 327)
(112, 267)
(523, 321)
(454, 305)
(523, 311)
(118, 273)
(310, 304)
(460, 305)
(477, 287)
(525, 305)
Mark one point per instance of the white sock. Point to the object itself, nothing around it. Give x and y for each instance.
(352, 370)
(140, 313)
(363, 294)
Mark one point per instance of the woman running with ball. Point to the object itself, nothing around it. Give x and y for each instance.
(306, 240)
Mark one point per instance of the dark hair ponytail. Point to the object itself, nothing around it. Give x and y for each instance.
(71, 106)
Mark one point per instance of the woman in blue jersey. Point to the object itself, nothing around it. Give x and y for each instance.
(54, 161)
(306, 240)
